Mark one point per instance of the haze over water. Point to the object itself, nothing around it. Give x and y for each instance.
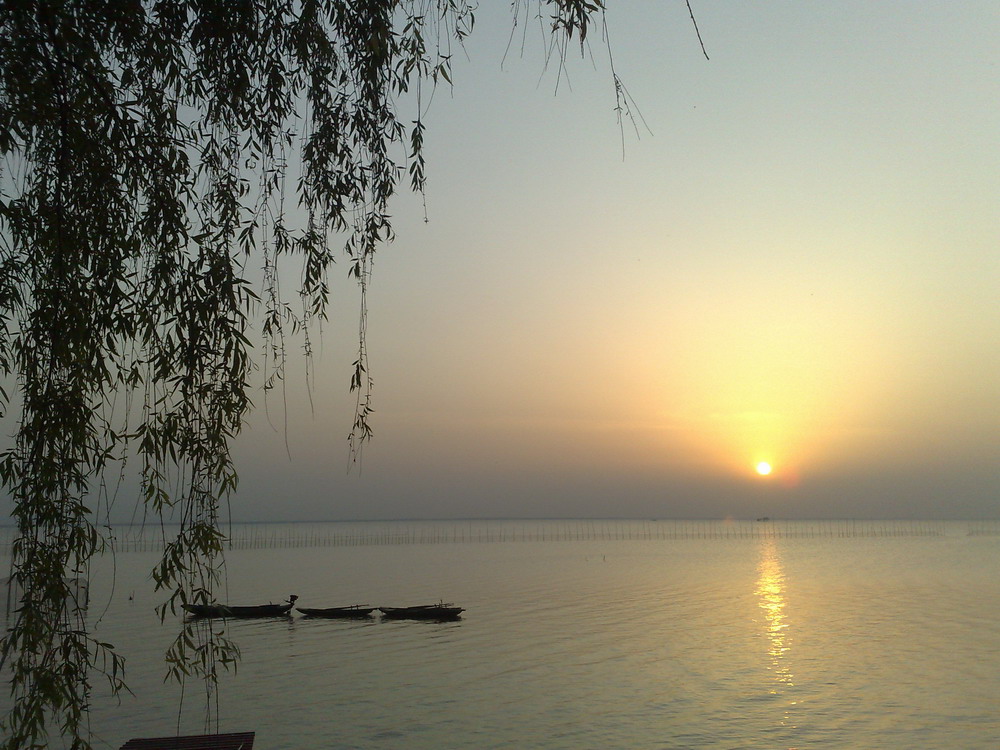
(704, 635)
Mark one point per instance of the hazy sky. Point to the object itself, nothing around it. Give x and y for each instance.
(799, 265)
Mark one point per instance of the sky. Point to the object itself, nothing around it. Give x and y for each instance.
(794, 262)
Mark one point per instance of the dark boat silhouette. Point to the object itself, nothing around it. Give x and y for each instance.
(227, 610)
(440, 611)
(355, 610)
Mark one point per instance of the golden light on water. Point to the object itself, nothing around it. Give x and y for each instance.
(770, 593)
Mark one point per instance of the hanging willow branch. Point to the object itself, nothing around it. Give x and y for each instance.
(146, 149)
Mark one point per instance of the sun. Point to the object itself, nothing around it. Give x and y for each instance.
(763, 468)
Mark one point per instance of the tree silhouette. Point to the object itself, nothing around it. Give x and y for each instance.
(150, 148)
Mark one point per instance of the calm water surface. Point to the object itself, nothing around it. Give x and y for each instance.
(762, 642)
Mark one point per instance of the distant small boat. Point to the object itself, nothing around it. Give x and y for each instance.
(355, 610)
(440, 611)
(225, 610)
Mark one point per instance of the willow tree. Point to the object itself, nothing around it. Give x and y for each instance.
(149, 150)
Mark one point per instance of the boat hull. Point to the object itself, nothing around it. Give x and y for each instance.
(423, 612)
(337, 612)
(222, 610)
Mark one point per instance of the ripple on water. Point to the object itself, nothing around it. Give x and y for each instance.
(674, 643)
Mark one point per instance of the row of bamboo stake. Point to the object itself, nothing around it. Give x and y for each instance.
(296, 535)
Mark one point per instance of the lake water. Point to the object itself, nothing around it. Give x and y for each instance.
(613, 635)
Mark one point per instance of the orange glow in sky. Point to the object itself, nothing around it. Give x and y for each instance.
(782, 279)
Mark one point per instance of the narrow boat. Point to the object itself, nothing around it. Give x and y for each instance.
(440, 611)
(355, 610)
(225, 610)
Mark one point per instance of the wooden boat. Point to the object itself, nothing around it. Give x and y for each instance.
(225, 610)
(440, 611)
(355, 610)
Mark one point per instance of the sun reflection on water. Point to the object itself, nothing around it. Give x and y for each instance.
(770, 593)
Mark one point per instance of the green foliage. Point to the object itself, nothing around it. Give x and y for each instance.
(147, 147)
